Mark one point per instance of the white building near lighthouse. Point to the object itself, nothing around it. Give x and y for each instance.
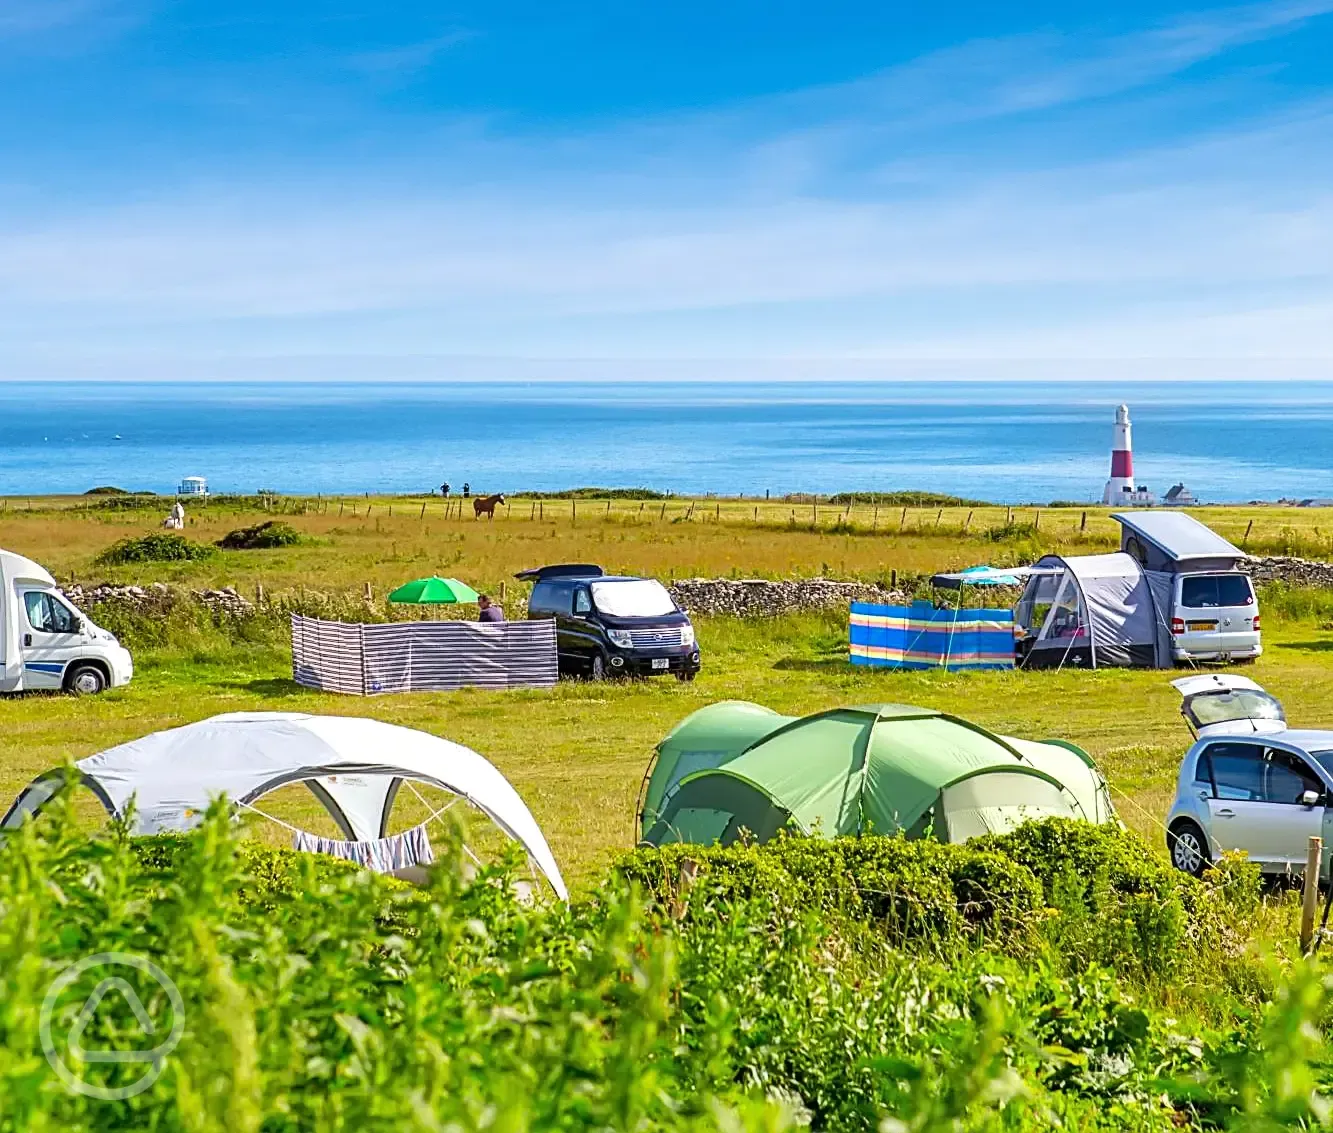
(1121, 491)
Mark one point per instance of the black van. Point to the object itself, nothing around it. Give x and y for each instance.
(610, 625)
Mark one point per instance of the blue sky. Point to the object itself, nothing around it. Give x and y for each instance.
(792, 189)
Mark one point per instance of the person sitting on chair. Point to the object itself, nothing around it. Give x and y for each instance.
(489, 611)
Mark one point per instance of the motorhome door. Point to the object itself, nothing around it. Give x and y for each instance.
(49, 637)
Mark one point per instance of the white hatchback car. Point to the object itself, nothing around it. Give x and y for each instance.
(1249, 782)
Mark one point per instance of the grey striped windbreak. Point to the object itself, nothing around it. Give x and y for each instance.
(422, 656)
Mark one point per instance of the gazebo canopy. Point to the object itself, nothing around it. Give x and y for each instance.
(353, 765)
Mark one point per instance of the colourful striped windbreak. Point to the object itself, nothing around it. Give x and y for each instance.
(921, 637)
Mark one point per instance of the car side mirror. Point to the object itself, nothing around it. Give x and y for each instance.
(1310, 798)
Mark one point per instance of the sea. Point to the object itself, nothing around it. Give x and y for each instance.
(1007, 442)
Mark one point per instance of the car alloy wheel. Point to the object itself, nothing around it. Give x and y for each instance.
(1187, 851)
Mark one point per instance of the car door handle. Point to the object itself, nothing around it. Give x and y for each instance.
(27, 639)
(1226, 814)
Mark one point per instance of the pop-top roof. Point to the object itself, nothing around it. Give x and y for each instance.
(1177, 535)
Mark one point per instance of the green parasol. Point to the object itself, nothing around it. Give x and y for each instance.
(433, 592)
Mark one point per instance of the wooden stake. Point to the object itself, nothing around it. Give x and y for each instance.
(902, 522)
(1248, 528)
(423, 511)
(1036, 521)
(663, 515)
(502, 590)
(968, 521)
(1083, 523)
(573, 512)
(1314, 854)
(938, 516)
(370, 594)
(608, 507)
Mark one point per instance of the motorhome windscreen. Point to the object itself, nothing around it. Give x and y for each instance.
(1234, 704)
(632, 598)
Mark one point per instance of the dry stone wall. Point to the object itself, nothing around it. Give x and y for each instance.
(1290, 570)
(757, 597)
(158, 598)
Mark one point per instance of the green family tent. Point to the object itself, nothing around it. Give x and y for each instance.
(885, 768)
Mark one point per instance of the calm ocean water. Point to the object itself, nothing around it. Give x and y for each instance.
(1006, 442)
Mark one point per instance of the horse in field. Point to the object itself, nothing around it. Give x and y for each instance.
(485, 505)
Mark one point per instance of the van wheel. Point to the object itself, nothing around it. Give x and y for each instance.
(85, 680)
(1189, 848)
(686, 674)
(597, 670)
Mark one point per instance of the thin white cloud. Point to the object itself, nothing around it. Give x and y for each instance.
(409, 58)
(1218, 245)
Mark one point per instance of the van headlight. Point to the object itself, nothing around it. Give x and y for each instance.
(620, 637)
(687, 636)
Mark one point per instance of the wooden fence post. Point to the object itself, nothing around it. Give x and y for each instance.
(1314, 854)
(1083, 523)
(903, 521)
(423, 511)
(1008, 516)
(814, 512)
(608, 507)
(1036, 521)
(370, 594)
(340, 508)
(938, 516)
(573, 512)
(968, 521)
(717, 513)
(502, 590)
(1246, 541)
(663, 515)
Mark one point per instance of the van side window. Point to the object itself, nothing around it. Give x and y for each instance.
(1238, 770)
(582, 603)
(47, 614)
(545, 600)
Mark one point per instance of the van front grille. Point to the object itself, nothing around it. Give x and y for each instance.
(669, 638)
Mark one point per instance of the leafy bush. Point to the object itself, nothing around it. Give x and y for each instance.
(136, 501)
(273, 533)
(923, 892)
(594, 494)
(159, 547)
(318, 996)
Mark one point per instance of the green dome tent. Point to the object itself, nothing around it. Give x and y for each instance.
(885, 769)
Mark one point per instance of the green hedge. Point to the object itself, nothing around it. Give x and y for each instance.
(160, 547)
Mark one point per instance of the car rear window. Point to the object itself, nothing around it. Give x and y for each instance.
(1213, 591)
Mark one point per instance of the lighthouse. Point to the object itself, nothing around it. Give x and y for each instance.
(1120, 488)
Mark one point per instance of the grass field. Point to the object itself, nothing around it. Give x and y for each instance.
(577, 754)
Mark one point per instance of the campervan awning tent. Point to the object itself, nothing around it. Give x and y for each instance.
(886, 769)
(1093, 611)
(354, 766)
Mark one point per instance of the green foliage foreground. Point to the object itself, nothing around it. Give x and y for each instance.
(319, 997)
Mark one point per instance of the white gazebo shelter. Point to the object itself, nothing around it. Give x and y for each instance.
(354, 766)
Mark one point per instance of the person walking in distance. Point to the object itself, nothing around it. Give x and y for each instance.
(444, 489)
(489, 611)
(467, 489)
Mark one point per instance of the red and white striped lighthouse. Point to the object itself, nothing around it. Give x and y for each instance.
(1120, 487)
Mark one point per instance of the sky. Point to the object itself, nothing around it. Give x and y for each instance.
(749, 190)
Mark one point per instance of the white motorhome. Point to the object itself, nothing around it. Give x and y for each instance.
(45, 643)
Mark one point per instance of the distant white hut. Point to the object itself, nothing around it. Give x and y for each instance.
(1180, 496)
(193, 486)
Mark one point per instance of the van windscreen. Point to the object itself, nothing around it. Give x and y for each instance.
(1213, 591)
(632, 598)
